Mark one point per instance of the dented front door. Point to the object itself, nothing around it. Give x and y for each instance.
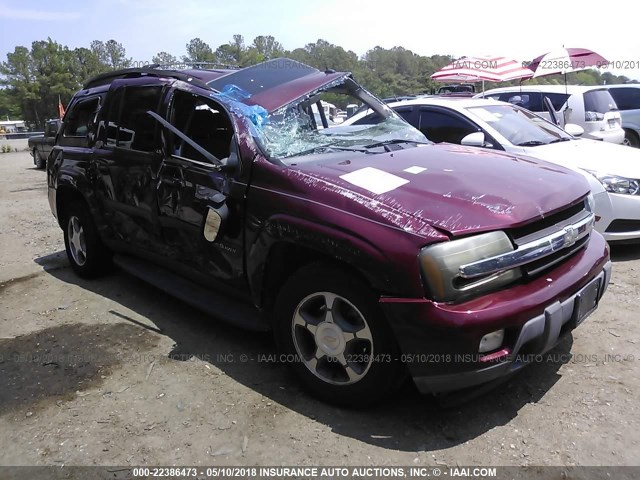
(199, 212)
(200, 199)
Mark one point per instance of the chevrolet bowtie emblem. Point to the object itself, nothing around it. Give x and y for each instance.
(570, 236)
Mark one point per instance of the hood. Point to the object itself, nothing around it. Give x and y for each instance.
(453, 188)
(278, 82)
(593, 155)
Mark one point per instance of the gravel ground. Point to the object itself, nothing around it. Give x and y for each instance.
(110, 372)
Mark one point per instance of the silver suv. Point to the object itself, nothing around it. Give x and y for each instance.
(627, 98)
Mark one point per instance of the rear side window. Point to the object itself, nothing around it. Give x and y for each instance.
(129, 125)
(627, 98)
(599, 101)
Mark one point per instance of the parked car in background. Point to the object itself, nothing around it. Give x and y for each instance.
(468, 88)
(40, 146)
(613, 171)
(592, 108)
(627, 98)
(369, 251)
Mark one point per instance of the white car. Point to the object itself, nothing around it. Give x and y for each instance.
(593, 108)
(613, 171)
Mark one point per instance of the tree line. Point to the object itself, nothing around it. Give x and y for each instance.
(33, 80)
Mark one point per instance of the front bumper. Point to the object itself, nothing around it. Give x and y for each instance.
(614, 206)
(439, 342)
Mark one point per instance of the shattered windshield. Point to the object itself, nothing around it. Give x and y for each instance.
(312, 124)
(294, 132)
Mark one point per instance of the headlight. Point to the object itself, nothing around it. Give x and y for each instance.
(590, 203)
(441, 266)
(617, 184)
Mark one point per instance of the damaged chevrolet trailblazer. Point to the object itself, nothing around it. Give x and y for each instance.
(370, 252)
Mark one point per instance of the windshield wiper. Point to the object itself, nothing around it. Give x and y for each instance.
(531, 143)
(562, 139)
(395, 141)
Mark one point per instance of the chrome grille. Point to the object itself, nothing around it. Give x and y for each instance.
(540, 245)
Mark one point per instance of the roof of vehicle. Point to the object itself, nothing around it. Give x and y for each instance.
(271, 84)
(207, 75)
(108, 77)
(623, 85)
(570, 89)
(277, 82)
(455, 103)
(445, 101)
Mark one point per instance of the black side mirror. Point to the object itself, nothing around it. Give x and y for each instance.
(232, 163)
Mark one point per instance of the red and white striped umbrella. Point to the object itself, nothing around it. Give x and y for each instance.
(566, 60)
(491, 69)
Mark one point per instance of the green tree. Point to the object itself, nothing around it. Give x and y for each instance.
(323, 55)
(111, 54)
(164, 59)
(198, 51)
(226, 55)
(266, 48)
(87, 63)
(9, 108)
(38, 78)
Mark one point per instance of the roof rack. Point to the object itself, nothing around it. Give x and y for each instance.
(197, 66)
(151, 71)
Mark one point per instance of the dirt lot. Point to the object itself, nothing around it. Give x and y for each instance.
(111, 372)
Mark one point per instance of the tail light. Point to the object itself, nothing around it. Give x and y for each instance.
(593, 116)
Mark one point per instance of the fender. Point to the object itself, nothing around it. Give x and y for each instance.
(325, 243)
(631, 125)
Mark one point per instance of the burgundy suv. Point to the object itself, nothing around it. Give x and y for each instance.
(370, 252)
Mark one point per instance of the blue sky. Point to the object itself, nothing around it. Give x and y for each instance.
(145, 27)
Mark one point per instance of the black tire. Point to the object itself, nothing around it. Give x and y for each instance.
(631, 139)
(37, 160)
(364, 370)
(87, 255)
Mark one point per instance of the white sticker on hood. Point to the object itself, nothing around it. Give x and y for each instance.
(374, 180)
(415, 170)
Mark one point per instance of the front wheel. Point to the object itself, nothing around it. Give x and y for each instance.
(329, 325)
(86, 253)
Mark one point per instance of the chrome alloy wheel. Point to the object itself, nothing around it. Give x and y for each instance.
(332, 338)
(77, 245)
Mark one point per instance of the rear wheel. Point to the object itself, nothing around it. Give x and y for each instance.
(86, 253)
(631, 139)
(337, 341)
(37, 160)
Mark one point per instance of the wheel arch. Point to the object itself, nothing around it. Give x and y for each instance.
(68, 193)
(632, 131)
(287, 244)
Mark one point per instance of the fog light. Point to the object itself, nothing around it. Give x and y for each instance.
(491, 341)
